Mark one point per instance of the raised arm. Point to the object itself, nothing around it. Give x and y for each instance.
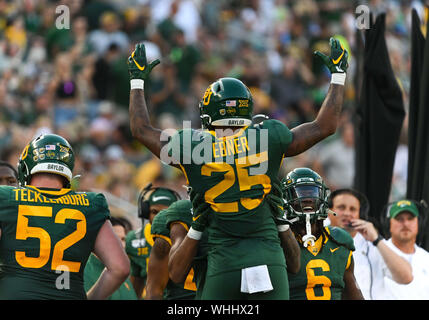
(140, 125)
(308, 134)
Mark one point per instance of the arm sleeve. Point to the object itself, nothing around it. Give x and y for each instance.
(282, 132)
(179, 211)
(159, 227)
(103, 206)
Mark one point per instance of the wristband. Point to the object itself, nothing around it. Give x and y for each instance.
(137, 84)
(194, 234)
(376, 241)
(283, 227)
(338, 78)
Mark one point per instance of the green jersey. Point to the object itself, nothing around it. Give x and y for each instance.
(174, 291)
(94, 267)
(321, 276)
(138, 244)
(46, 238)
(181, 211)
(235, 173)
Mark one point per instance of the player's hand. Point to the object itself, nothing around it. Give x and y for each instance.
(200, 211)
(337, 62)
(138, 67)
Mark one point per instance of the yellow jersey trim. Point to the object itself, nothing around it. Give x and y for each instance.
(349, 260)
(148, 235)
(315, 249)
(162, 237)
(60, 192)
(182, 223)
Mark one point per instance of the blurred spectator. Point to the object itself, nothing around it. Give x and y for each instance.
(108, 33)
(403, 227)
(183, 14)
(167, 96)
(336, 159)
(102, 76)
(185, 57)
(288, 88)
(64, 89)
(15, 33)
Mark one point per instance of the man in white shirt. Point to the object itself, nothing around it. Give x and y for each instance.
(403, 226)
(374, 259)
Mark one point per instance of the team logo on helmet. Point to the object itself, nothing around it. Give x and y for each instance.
(226, 102)
(51, 154)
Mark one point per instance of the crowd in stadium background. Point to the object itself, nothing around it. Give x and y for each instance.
(74, 82)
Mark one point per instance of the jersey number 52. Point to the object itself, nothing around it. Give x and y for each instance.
(24, 231)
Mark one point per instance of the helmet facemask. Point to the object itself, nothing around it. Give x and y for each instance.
(306, 201)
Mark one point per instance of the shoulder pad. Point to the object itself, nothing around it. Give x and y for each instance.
(342, 236)
(159, 224)
(180, 211)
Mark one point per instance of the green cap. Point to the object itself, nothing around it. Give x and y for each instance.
(162, 196)
(402, 206)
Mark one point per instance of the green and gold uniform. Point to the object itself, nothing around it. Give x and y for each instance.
(181, 212)
(47, 236)
(94, 267)
(174, 291)
(322, 267)
(235, 173)
(138, 244)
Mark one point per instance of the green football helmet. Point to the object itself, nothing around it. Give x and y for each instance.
(226, 102)
(305, 192)
(306, 200)
(49, 153)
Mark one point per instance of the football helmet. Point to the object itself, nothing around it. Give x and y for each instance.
(226, 102)
(49, 153)
(306, 198)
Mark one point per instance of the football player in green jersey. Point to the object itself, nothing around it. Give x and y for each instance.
(193, 254)
(234, 163)
(48, 230)
(195, 259)
(158, 262)
(139, 242)
(326, 252)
